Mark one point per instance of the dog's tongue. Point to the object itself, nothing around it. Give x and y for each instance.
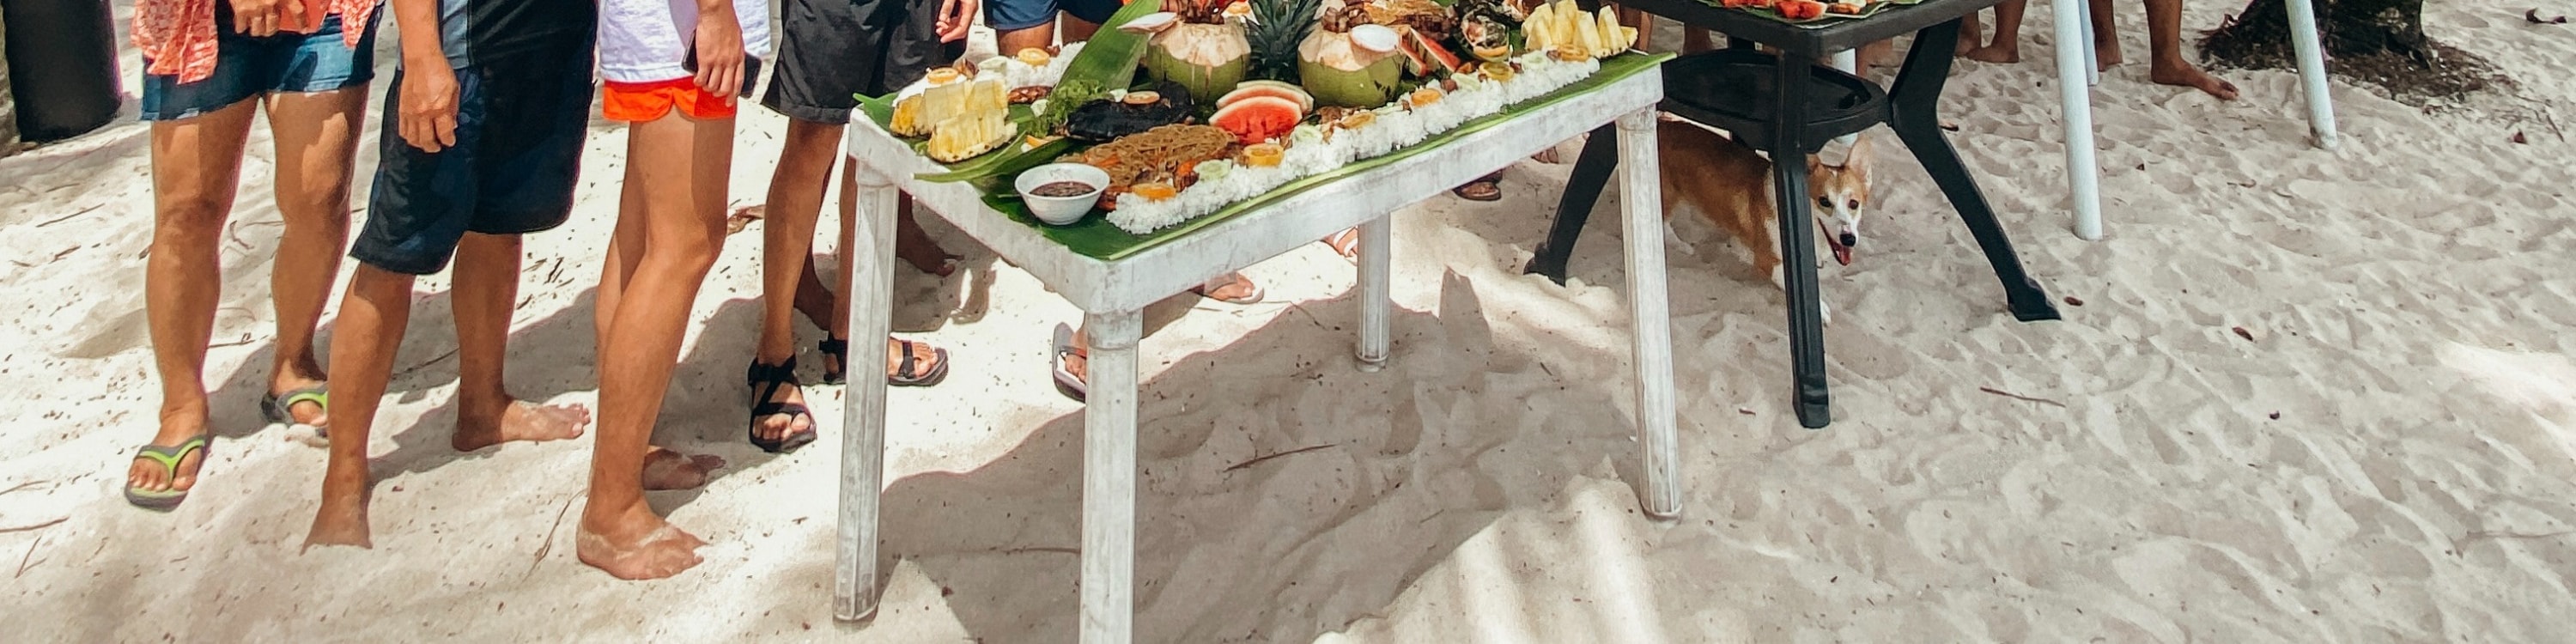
(1842, 253)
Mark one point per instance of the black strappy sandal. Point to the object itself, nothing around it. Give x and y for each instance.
(839, 350)
(765, 380)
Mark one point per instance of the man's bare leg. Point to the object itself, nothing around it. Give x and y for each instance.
(2164, 46)
(196, 163)
(316, 137)
(367, 333)
(1696, 40)
(2006, 47)
(486, 290)
(2106, 33)
(787, 251)
(683, 164)
(1076, 29)
(1969, 36)
(1012, 41)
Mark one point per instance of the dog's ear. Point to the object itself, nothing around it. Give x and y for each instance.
(1857, 160)
(1815, 164)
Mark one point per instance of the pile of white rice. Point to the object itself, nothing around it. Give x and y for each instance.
(1223, 183)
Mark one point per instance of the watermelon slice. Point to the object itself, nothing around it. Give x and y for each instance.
(1258, 118)
(1425, 55)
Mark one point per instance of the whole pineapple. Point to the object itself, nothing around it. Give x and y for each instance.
(1277, 27)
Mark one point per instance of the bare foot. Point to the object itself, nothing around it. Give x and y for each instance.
(340, 522)
(1968, 36)
(635, 544)
(1996, 53)
(1232, 288)
(519, 421)
(2107, 55)
(924, 254)
(2183, 74)
(669, 470)
(307, 413)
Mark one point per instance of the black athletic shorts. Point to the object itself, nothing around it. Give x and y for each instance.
(831, 51)
(519, 134)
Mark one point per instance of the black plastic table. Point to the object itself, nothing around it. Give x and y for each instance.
(1787, 105)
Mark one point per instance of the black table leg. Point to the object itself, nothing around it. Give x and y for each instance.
(1789, 149)
(1592, 171)
(1914, 107)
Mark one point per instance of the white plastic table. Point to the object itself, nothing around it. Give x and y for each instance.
(1111, 293)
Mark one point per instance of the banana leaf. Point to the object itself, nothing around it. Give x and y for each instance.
(1109, 58)
(1095, 237)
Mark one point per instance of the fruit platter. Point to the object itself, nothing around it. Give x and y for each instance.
(1812, 12)
(1183, 112)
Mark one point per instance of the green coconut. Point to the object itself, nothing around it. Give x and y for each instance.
(1206, 59)
(1355, 69)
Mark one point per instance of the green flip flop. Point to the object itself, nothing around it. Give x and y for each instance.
(169, 458)
(280, 408)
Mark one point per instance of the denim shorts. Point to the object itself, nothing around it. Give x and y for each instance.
(248, 67)
(1007, 15)
(517, 159)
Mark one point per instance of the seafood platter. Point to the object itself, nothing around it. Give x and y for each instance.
(1183, 108)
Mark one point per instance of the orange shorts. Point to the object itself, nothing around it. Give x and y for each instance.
(644, 102)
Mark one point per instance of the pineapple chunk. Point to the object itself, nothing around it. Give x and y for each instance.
(908, 120)
(1610, 34)
(1627, 37)
(1537, 29)
(963, 137)
(1585, 34)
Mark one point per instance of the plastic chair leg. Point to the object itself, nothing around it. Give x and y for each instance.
(1592, 171)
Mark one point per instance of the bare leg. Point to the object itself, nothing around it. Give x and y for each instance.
(1695, 40)
(1012, 41)
(486, 290)
(195, 164)
(2164, 46)
(682, 163)
(1076, 29)
(1968, 35)
(625, 248)
(2106, 34)
(2007, 45)
(795, 202)
(369, 330)
(316, 136)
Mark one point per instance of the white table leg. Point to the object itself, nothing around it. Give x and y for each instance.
(2074, 67)
(2312, 73)
(2081, 13)
(1848, 61)
(1376, 300)
(869, 267)
(1109, 478)
(1641, 203)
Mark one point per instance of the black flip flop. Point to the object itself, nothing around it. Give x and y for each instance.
(765, 381)
(903, 373)
(839, 350)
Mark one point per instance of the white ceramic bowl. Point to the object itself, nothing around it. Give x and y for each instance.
(1058, 211)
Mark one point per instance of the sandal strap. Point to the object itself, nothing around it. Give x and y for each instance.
(170, 455)
(903, 370)
(784, 372)
(837, 348)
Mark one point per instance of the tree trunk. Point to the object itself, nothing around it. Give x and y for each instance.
(2259, 36)
(2380, 42)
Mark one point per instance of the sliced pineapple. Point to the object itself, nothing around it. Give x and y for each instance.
(1585, 34)
(981, 123)
(907, 117)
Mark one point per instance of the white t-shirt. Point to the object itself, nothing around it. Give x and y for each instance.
(644, 41)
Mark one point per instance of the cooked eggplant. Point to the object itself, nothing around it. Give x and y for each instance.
(1107, 119)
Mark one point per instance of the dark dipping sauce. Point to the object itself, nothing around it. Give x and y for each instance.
(1063, 189)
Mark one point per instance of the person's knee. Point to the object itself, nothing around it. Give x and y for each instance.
(375, 284)
(190, 218)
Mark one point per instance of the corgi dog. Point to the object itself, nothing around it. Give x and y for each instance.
(1730, 184)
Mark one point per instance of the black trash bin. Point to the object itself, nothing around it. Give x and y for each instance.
(62, 66)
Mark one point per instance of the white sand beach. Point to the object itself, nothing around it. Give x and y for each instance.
(2307, 396)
